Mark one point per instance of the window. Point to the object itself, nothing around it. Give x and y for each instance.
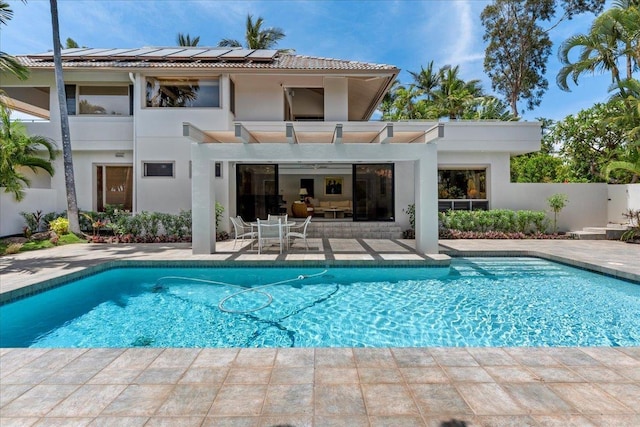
(182, 92)
(232, 96)
(158, 169)
(104, 100)
(462, 184)
(70, 92)
(99, 100)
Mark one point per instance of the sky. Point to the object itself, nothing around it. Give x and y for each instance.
(405, 33)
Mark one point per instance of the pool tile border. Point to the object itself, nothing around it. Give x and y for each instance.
(45, 285)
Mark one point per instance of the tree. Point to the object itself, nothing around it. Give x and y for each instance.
(8, 62)
(69, 177)
(543, 166)
(19, 150)
(71, 43)
(630, 165)
(519, 47)
(256, 37)
(557, 202)
(590, 140)
(186, 40)
(453, 95)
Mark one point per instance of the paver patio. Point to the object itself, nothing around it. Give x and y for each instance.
(321, 386)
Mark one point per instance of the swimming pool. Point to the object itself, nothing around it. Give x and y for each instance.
(475, 302)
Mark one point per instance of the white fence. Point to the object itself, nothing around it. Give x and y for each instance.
(11, 222)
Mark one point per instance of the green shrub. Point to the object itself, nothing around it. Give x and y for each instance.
(33, 220)
(219, 212)
(59, 226)
(411, 211)
(496, 220)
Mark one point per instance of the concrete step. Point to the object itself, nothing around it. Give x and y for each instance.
(610, 232)
(352, 230)
(588, 235)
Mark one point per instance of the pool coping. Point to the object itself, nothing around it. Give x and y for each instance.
(51, 283)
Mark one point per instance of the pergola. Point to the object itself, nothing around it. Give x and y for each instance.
(313, 142)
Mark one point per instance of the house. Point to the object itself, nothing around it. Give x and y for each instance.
(167, 129)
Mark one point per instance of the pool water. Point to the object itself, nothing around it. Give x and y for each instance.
(475, 302)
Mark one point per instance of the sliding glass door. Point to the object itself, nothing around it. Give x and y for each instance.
(257, 191)
(373, 196)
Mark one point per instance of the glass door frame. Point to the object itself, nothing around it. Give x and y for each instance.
(392, 196)
(270, 202)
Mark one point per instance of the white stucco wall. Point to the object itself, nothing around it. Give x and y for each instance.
(11, 222)
(622, 198)
(336, 98)
(587, 205)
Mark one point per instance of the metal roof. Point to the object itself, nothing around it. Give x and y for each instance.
(193, 57)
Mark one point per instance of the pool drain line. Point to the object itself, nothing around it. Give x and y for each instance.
(243, 290)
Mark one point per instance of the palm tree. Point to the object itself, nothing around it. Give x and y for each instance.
(186, 40)
(613, 35)
(8, 62)
(631, 165)
(453, 95)
(20, 150)
(256, 37)
(69, 177)
(427, 80)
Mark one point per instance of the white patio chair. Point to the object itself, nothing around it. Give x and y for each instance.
(284, 217)
(269, 231)
(242, 230)
(299, 231)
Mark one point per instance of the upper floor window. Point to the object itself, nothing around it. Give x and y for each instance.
(99, 100)
(182, 92)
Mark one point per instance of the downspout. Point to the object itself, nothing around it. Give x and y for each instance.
(134, 202)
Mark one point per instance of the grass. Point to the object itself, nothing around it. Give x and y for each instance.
(65, 239)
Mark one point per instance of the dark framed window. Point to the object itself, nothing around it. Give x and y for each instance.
(161, 169)
(184, 92)
(218, 167)
(232, 96)
(70, 93)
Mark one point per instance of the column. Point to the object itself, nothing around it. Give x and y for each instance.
(426, 197)
(203, 201)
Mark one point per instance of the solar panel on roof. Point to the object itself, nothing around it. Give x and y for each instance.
(107, 52)
(162, 52)
(237, 54)
(211, 53)
(138, 52)
(83, 52)
(262, 54)
(185, 53)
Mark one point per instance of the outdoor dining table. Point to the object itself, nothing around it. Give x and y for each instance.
(285, 226)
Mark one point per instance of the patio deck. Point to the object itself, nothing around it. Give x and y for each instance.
(321, 386)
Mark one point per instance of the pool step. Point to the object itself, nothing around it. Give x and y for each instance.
(353, 230)
(610, 232)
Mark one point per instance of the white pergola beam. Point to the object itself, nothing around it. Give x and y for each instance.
(195, 134)
(386, 134)
(337, 134)
(243, 134)
(291, 134)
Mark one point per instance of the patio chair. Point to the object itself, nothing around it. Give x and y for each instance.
(300, 232)
(284, 217)
(269, 230)
(242, 230)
